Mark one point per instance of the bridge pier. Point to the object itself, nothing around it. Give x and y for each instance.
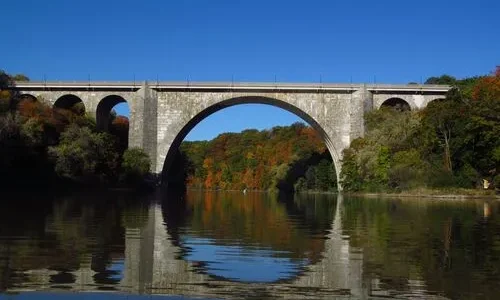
(143, 121)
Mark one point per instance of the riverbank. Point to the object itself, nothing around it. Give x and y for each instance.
(453, 193)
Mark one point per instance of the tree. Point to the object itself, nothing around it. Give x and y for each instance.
(85, 155)
(20, 77)
(5, 80)
(443, 117)
(10, 141)
(119, 128)
(5, 94)
(443, 79)
(350, 176)
(482, 131)
(300, 185)
(408, 170)
(136, 165)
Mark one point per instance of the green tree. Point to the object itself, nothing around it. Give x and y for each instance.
(135, 166)
(20, 77)
(442, 117)
(408, 170)
(85, 155)
(300, 185)
(443, 79)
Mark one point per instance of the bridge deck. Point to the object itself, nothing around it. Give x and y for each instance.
(234, 86)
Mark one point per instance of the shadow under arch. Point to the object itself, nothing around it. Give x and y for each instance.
(104, 109)
(397, 104)
(436, 100)
(169, 158)
(27, 97)
(68, 101)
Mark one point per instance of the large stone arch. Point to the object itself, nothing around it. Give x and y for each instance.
(178, 128)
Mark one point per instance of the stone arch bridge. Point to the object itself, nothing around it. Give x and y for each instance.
(162, 113)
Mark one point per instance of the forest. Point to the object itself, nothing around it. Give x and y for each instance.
(284, 158)
(452, 143)
(41, 145)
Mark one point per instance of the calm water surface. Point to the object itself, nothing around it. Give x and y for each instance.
(233, 245)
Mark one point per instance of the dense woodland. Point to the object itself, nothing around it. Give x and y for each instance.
(41, 144)
(284, 158)
(452, 143)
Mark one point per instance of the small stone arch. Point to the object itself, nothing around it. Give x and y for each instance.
(190, 124)
(436, 99)
(103, 110)
(68, 101)
(27, 96)
(397, 104)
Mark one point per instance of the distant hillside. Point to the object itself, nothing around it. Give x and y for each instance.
(284, 158)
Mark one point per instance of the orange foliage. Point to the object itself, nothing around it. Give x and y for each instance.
(34, 109)
(248, 179)
(248, 159)
(488, 88)
(209, 181)
(313, 138)
(121, 122)
(226, 216)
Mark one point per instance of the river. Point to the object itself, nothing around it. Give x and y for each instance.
(218, 245)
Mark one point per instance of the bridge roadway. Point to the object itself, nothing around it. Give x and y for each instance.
(232, 86)
(163, 113)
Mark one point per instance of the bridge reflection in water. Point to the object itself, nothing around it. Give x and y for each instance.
(153, 264)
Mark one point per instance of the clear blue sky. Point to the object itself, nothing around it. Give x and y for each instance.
(252, 40)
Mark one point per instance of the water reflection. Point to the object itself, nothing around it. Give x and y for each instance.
(251, 237)
(230, 245)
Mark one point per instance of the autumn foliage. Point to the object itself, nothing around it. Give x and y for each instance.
(40, 144)
(488, 88)
(255, 160)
